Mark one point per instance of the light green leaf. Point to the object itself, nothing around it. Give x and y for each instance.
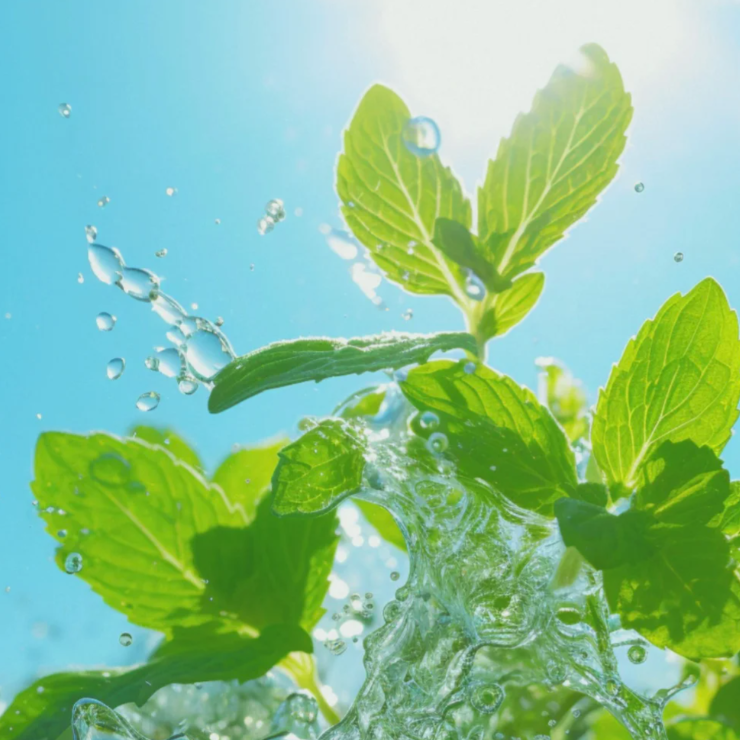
(383, 522)
(496, 430)
(502, 311)
(130, 509)
(565, 396)
(170, 441)
(558, 159)
(300, 360)
(700, 729)
(392, 198)
(319, 469)
(43, 715)
(730, 521)
(679, 378)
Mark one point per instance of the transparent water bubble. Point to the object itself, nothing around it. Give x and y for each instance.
(161, 253)
(639, 187)
(80, 278)
(474, 287)
(217, 221)
(207, 351)
(73, 563)
(421, 136)
(110, 469)
(437, 443)
(65, 110)
(469, 368)
(115, 367)
(103, 201)
(395, 575)
(637, 654)
(141, 284)
(169, 362)
(148, 401)
(265, 225)
(219, 321)
(177, 336)
(486, 697)
(62, 533)
(429, 420)
(408, 314)
(105, 321)
(168, 309)
(336, 647)
(106, 263)
(152, 363)
(276, 209)
(187, 385)
(91, 233)
(613, 687)
(170, 191)
(126, 639)
(678, 257)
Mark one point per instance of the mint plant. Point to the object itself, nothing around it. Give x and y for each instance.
(544, 538)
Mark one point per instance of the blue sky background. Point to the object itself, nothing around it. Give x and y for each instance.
(234, 103)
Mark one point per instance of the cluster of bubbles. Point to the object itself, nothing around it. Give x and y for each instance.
(199, 348)
(274, 213)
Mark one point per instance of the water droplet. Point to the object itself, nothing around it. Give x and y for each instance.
(148, 401)
(141, 284)
(152, 363)
(429, 420)
(106, 263)
(110, 469)
(187, 385)
(115, 368)
(80, 278)
(91, 233)
(207, 350)
(576, 713)
(337, 647)
(219, 321)
(421, 136)
(437, 443)
(613, 687)
(125, 639)
(170, 191)
(639, 187)
(103, 202)
(217, 221)
(265, 225)
(38, 416)
(73, 563)
(275, 209)
(395, 575)
(62, 533)
(469, 368)
(160, 253)
(342, 243)
(65, 110)
(105, 321)
(486, 697)
(168, 309)
(474, 287)
(678, 257)
(408, 314)
(637, 654)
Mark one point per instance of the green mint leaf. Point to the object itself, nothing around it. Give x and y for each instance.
(319, 469)
(170, 441)
(504, 310)
(565, 396)
(367, 402)
(558, 159)
(496, 431)
(130, 509)
(730, 520)
(700, 729)
(392, 198)
(592, 493)
(275, 571)
(44, 714)
(679, 378)
(301, 360)
(383, 523)
(725, 705)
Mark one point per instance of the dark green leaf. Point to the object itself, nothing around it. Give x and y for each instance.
(319, 469)
(497, 431)
(593, 493)
(301, 360)
(725, 705)
(44, 714)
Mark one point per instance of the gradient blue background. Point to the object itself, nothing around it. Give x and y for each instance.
(234, 103)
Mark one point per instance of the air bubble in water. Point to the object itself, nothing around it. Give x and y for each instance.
(421, 136)
(91, 233)
(613, 687)
(106, 263)
(152, 363)
(143, 285)
(73, 563)
(336, 647)
(474, 287)
(105, 321)
(62, 533)
(678, 257)
(168, 309)
(265, 225)
(187, 385)
(80, 278)
(217, 221)
(115, 367)
(437, 443)
(276, 209)
(469, 368)
(103, 201)
(408, 314)
(207, 350)
(170, 191)
(125, 639)
(429, 420)
(486, 697)
(169, 362)
(148, 401)
(65, 110)
(639, 187)
(395, 575)
(160, 253)
(219, 321)
(637, 654)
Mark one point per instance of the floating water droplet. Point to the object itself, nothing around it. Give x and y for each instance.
(168, 309)
(337, 647)
(437, 443)
(103, 201)
(80, 278)
(486, 697)
(474, 287)
(408, 314)
(342, 243)
(217, 221)
(106, 263)
(73, 563)
(395, 575)
(160, 253)
(125, 639)
(469, 368)
(187, 385)
(639, 187)
(148, 401)
(637, 654)
(251, 267)
(298, 212)
(613, 687)
(170, 191)
(115, 368)
(91, 233)
(429, 420)
(38, 416)
(65, 110)
(207, 351)
(276, 209)
(576, 713)
(421, 136)
(62, 533)
(219, 321)
(265, 225)
(105, 321)
(141, 284)
(110, 469)
(678, 257)
(152, 363)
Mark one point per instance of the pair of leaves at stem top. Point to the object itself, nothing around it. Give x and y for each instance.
(412, 215)
(233, 588)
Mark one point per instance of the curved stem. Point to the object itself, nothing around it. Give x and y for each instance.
(301, 667)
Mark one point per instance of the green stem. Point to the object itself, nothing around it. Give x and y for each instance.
(301, 667)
